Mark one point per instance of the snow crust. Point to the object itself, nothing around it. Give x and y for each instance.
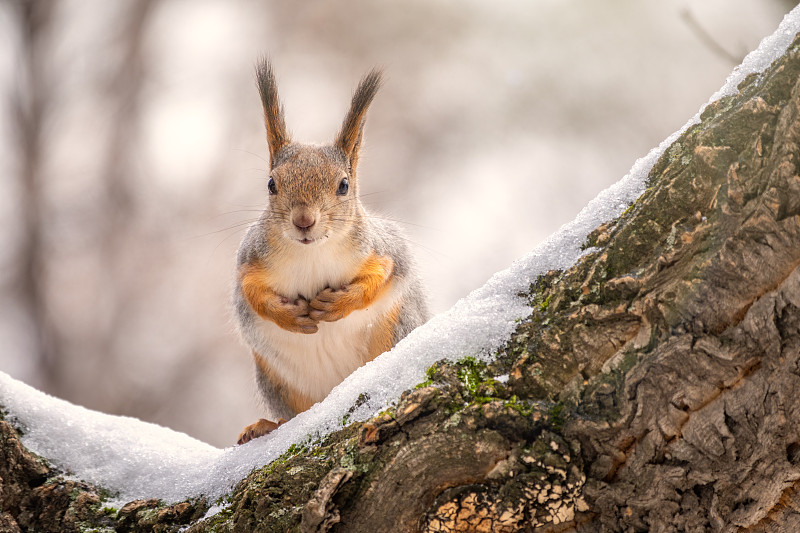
(140, 460)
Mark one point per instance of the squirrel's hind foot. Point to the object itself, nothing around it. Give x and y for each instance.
(259, 429)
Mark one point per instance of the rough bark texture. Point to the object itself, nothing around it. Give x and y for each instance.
(655, 388)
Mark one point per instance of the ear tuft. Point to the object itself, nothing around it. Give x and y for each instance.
(349, 138)
(277, 136)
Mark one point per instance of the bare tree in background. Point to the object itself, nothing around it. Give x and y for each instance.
(118, 180)
(35, 98)
(29, 105)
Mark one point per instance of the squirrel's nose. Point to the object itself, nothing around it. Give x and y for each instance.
(303, 219)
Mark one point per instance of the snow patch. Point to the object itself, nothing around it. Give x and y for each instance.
(140, 460)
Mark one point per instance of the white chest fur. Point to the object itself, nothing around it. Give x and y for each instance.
(310, 268)
(315, 363)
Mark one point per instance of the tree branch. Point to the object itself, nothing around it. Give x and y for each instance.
(656, 385)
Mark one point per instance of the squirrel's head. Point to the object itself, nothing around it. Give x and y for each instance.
(313, 190)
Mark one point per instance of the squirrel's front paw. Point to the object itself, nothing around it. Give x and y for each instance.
(293, 315)
(332, 304)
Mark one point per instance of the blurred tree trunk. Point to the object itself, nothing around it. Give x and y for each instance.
(34, 104)
(124, 87)
(117, 225)
(29, 106)
(656, 387)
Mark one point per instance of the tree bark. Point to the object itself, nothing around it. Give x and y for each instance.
(656, 386)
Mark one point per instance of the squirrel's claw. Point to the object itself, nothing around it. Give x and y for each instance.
(298, 319)
(259, 429)
(329, 305)
(329, 296)
(306, 324)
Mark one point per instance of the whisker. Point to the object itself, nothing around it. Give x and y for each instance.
(235, 226)
(252, 153)
(260, 170)
(260, 206)
(349, 218)
(326, 207)
(226, 213)
(214, 251)
(404, 222)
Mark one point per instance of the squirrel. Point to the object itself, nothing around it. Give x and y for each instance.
(322, 287)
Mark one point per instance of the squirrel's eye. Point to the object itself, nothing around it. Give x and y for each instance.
(344, 185)
(271, 186)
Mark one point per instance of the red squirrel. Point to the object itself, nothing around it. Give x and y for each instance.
(322, 287)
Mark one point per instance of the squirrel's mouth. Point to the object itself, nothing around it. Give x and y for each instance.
(311, 240)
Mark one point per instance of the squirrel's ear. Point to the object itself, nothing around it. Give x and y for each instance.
(277, 136)
(349, 138)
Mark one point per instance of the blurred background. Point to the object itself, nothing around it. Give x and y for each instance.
(132, 156)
